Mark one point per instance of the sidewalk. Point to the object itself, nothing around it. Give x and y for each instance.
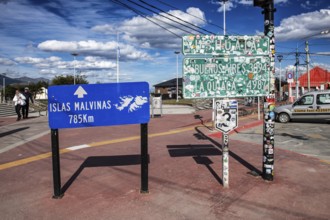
(15, 133)
(103, 181)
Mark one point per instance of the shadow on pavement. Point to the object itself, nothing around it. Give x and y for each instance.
(190, 150)
(207, 162)
(103, 161)
(249, 166)
(13, 131)
(202, 122)
(293, 136)
(199, 153)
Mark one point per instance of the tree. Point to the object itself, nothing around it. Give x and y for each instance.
(68, 80)
(35, 88)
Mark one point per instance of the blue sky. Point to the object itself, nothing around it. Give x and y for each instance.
(38, 37)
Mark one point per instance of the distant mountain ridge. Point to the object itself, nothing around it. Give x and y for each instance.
(20, 80)
(32, 80)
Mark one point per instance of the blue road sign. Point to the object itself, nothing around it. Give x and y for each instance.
(92, 105)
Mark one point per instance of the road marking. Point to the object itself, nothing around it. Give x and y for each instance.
(325, 161)
(29, 159)
(317, 136)
(18, 143)
(78, 147)
(297, 143)
(95, 144)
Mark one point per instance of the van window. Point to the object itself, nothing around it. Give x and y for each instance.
(323, 99)
(306, 100)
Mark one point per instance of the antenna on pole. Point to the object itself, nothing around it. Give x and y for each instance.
(118, 55)
(224, 16)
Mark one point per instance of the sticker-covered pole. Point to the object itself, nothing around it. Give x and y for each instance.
(144, 158)
(225, 160)
(56, 164)
(269, 100)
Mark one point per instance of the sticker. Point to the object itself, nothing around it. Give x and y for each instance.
(268, 166)
(271, 151)
(269, 171)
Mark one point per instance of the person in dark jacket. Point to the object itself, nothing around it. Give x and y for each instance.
(19, 100)
(28, 97)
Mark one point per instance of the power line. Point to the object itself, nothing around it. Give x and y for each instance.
(210, 23)
(144, 16)
(175, 17)
(165, 16)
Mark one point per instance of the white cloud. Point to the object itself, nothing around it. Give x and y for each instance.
(94, 48)
(52, 63)
(228, 6)
(322, 65)
(145, 34)
(246, 2)
(232, 4)
(303, 25)
(309, 4)
(6, 62)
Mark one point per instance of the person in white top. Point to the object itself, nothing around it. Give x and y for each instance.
(19, 100)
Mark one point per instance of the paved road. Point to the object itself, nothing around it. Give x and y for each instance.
(308, 138)
(101, 178)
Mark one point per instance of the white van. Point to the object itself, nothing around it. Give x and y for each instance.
(311, 105)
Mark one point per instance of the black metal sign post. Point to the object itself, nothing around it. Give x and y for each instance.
(56, 164)
(269, 101)
(144, 158)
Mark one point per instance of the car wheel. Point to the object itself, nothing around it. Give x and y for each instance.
(284, 117)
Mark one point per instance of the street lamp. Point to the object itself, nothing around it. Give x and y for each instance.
(4, 87)
(280, 58)
(74, 67)
(307, 56)
(177, 75)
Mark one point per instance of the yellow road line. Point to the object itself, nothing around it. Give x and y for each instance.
(95, 144)
(101, 143)
(29, 160)
(325, 161)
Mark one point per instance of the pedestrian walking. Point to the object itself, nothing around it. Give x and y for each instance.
(19, 100)
(28, 97)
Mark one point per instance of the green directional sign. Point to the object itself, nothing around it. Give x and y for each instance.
(225, 45)
(226, 77)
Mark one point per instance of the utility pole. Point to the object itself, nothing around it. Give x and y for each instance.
(118, 55)
(307, 66)
(280, 57)
(177, 75)
(4, 87)
(296, 75)
(269, 100)
(74, 67)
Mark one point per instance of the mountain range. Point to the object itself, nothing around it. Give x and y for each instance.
(20, 80)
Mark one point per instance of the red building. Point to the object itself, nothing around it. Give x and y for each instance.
(319, 79)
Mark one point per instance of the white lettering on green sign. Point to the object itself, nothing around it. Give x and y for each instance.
(225, 77)
(230, 45)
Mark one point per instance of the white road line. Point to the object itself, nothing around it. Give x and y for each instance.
(9, 147)
(78, 147)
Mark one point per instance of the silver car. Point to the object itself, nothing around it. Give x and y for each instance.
(311, 105)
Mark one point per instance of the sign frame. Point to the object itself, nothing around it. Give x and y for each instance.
(92, 105)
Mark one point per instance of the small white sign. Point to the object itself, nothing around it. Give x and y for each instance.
(226, 115)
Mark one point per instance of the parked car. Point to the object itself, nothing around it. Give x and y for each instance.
(311, 105)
